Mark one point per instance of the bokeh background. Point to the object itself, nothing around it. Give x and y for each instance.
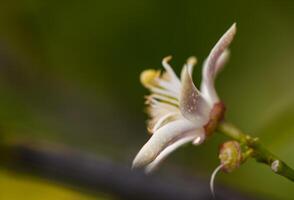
(69, 75)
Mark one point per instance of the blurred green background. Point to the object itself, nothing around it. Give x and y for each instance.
(69, 74)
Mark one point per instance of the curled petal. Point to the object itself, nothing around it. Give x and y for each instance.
(197, 134)
(161, 139)
(162, 120)
(192, 105)
(215, 61)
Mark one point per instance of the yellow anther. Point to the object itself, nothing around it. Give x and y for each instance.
(192, 60)
(148, 77)
(167, 59)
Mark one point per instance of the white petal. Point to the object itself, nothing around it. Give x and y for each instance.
(162, 119)
(214, 63)
(207, 85)
(221, 61)
(192, 105)
(195, 134)
(163, 137)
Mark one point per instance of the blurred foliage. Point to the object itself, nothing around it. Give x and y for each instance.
(69, 73)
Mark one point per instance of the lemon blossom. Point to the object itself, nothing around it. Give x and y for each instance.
(179, 112)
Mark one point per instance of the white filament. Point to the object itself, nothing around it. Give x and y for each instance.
(212, 179)
(190, 64)
(170, 71)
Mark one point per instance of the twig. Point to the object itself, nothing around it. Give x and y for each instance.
(260, 153)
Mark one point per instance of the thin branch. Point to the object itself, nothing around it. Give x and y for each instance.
(260, 153)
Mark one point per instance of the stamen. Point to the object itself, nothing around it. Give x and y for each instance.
(169, 69)
(166, 59)
(192, 60)
(163, 92)
(148, 77)
(164, 99)
(190, 63)
(212, 179)
(168, 85)
(166, 65)
(160, 105)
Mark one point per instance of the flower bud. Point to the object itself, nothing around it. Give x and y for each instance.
(230, 155)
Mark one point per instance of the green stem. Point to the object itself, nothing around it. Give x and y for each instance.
(260, 153)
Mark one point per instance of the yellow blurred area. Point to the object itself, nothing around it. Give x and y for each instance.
(16, 186)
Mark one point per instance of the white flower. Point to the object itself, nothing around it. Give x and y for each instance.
(179, 112)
